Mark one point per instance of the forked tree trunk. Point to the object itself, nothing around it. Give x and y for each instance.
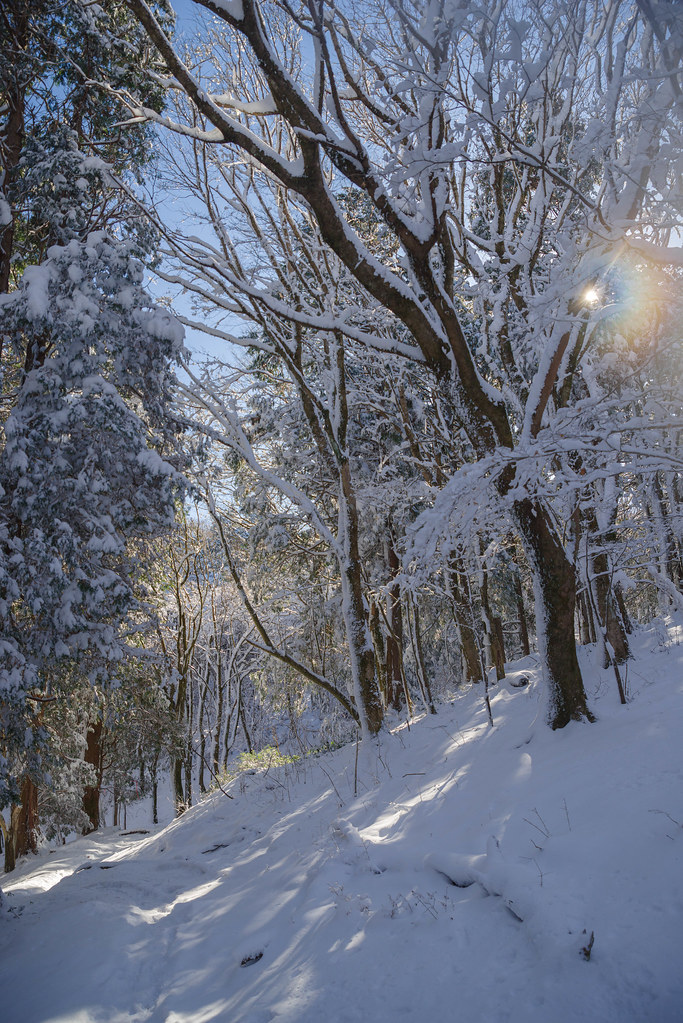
(555, 591)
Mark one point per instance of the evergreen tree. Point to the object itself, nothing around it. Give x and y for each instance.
(86, 360)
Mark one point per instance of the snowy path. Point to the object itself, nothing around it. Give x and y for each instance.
(344, 908)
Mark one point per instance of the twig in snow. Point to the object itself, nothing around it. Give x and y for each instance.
(543, 830)
(672, 819)
(588, 947)
(197, 752)
(341, 801)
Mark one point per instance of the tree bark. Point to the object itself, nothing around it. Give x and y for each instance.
(155, 789)
(12, 140)
(464, 620)
(91, 793)
(498, 647)
(555, 591)
(614, 630)
(361, 652)
(521, 615)
(494, 629)
(586, 623)
(178, 790)
(422, 675)
(378, 644)
(179, 708)
(394, 672)
(22, 834)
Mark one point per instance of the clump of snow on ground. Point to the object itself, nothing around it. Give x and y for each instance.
(512, 874)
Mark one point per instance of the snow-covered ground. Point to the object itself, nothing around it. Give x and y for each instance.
(461, 883)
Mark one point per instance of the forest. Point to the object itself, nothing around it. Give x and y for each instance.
(340, 368)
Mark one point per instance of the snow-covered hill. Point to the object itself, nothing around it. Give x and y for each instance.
(465, 880)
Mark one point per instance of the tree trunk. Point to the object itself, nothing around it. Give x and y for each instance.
(422, 677)
(395, 638)
(498, 647)
(178, 791)
(664, 507)
(621, 608)
(22, 834)
(220, 696)
(179, 708)
(142, 773)
(606, 609)
(12, 139)
(464, 619)
(495, 643)
(5, 846)
(521, 615)
(378, 644)
(91, 793)
(155, 790)
(586, 624)
(361, 653)
(203, 698)
(613, 628)
(189, 754)
(243, 720)
(555, 590)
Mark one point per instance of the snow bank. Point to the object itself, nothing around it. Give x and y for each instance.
(512, 874)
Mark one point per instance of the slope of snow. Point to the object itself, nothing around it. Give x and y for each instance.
(461, 883)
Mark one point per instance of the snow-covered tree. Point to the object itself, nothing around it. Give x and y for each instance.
(86, 361)
(567, 115)
(82, 469)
